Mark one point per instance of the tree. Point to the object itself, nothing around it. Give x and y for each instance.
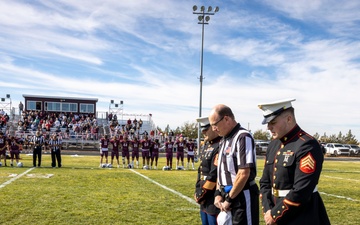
(261, 135)
(350, 138)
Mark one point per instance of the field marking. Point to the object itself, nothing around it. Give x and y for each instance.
(340, 178)
(166, 188)
(15, 178)
(339, 196)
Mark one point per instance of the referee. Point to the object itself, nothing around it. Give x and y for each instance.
(236, 190)
(37, 142)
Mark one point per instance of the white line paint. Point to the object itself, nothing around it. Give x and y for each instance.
(166, 188)
(340, 178)
(339, 196)
(15, 178)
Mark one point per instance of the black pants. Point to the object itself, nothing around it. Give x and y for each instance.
(37, 153)
(245, 207)
(55, 156)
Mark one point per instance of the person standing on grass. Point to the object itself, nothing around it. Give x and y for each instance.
(155, 153)
(125, 144)
(293, 164)
(104, 149)
(169, 149)
(37, 141)
(135, 144)
(115, 150)
(180, 148)
(237, 191)
(55, 147)
(207, 174)
(14, 149)
(190, 153)
(3, 146)
(145, 151)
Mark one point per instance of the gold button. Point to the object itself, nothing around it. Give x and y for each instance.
(278, 212)
(274, 217)
(278, 153)
(274, 177)
(275, 169)
(276, 161)
(274, 185)
(283, 207)
(267, 161)
(284, 164)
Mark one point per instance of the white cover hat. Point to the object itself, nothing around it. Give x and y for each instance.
(273, 109)
(204, 122)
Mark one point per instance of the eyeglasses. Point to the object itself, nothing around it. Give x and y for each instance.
(215, 124)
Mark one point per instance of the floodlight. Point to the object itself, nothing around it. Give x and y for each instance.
(202, 9)
(194, 8)
(7, 95)
(3, 99)
(116, 105)
(207, 18)
(216, 9)
(209, 9)
(111, 101)
(121, 102)
(200, 18)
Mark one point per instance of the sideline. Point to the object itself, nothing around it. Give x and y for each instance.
(15, 178)
(166, 188)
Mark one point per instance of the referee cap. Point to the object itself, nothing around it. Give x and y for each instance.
(204, 123)
(273, 109)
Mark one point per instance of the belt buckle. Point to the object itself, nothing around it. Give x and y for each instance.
(275, 192)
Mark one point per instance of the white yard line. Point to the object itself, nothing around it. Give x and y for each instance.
(166, 188)
(340, 178)
(15, 178)
(339, 196)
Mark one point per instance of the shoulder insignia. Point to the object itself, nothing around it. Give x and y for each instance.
(308, 164)
(216, 159)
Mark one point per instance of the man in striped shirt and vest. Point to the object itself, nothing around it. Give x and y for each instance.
(37, 142)
(236, 190)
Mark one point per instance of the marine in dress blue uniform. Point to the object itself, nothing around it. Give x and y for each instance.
(288, 186)
(207, 174)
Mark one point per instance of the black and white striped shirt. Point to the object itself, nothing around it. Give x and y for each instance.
(237, 150)
(55, 143)
(38, 140)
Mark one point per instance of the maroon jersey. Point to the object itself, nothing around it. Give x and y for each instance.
(115, 144)
(125, 145)
(155, 147)
(2, 142)
(146, 144)
(190, 146)
(169, 147)
(104, 143)
(135, 146)
(180, 146)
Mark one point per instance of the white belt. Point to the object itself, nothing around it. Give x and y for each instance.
(203, 177)
(283, 193)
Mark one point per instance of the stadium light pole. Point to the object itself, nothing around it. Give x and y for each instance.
(203, 19)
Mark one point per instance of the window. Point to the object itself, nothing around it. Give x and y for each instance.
(61, 107)
(68, 107)
(86, 108)
(53, 106)
(33, 105)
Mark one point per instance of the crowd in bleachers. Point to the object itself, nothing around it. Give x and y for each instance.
(132, 128)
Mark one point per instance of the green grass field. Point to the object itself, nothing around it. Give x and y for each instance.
(83, 193)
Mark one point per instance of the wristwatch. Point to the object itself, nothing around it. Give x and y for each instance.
(228, 199)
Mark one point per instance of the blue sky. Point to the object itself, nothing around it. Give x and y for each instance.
(147, 53)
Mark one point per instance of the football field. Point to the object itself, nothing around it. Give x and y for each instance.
(82, 193)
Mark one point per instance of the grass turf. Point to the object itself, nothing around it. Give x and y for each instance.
(82, 193)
